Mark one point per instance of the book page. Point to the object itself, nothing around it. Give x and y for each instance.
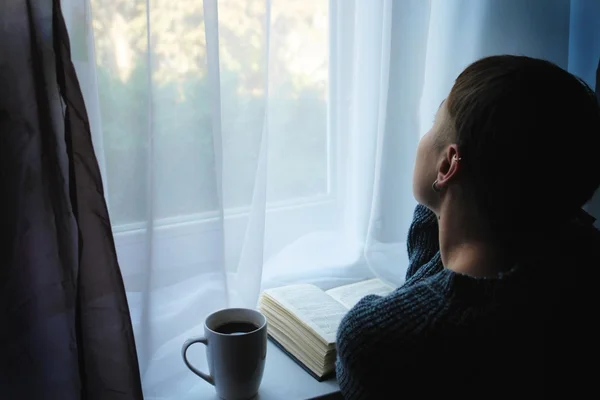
(312, 306)
(349, 295)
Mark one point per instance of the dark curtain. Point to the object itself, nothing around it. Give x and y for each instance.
(65, 328)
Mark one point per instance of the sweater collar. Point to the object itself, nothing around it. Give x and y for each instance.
(471, 289)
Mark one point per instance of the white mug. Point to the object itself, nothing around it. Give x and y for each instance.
(236, 350)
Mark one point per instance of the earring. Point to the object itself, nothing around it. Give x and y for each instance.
(435, 187)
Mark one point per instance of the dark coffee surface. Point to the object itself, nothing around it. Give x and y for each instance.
(236, 328)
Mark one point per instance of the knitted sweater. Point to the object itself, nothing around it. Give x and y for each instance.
(447, 334)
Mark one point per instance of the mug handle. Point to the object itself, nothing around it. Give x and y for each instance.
(184, 348)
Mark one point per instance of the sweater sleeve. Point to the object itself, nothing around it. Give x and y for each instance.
(381, 341)
(423, 239)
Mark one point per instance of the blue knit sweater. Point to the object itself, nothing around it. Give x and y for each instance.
(447, 334)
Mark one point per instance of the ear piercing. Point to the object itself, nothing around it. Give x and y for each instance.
(434, 185)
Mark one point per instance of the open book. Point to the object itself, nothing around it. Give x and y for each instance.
(303, 320)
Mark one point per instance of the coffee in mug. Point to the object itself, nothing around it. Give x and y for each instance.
(236, 350)
(236, 328)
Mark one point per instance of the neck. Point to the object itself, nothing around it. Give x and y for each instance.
(466, 245)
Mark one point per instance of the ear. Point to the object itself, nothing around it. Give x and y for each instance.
(449, 166)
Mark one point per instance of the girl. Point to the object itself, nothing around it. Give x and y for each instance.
(501, 289)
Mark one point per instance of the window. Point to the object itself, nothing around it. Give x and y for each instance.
(182, 103)
(157, 130)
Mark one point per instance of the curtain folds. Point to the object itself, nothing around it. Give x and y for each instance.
(65, 330)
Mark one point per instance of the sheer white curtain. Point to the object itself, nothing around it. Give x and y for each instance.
(249, 143)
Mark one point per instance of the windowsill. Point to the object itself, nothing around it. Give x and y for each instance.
(190, 245)
(283, 379)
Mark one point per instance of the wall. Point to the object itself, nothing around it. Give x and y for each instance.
(584, 53)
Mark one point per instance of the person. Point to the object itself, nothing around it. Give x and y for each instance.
(501, 291)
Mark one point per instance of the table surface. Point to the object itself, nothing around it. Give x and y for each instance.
(283, 379)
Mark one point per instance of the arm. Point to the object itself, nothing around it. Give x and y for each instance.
(423, 239)
(381, 343)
